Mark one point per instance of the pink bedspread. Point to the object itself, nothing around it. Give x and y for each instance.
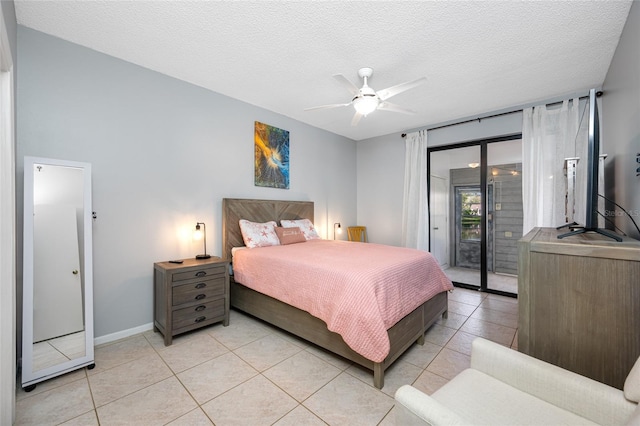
(359, 289)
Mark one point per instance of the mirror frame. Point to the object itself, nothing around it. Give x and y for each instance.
(30, 377)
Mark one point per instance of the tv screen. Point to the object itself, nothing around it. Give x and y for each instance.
(593, 160)
(593, 164)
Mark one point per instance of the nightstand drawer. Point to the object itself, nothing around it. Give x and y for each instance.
(189, 294)
(198, 290)
(198, 314)
(199, 273)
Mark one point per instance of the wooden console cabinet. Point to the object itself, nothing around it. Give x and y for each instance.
(190, 295)
(579, 303)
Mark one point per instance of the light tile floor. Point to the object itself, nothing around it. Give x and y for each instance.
(250, 373)
(57, 350)
(501, 282)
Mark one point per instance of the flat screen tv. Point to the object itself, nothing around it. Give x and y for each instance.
(593, 163)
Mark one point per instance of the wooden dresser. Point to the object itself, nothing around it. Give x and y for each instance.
(190, 295)
(579, 302)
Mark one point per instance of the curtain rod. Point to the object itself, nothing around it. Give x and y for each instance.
(479, 119)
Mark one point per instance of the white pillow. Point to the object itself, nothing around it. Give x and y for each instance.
(259, 234)
(305, 226)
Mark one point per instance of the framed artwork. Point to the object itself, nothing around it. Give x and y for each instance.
(271, 156)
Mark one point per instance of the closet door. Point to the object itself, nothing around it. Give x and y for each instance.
(57, 309)
(439, 209)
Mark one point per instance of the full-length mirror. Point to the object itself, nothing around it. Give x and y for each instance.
(58, 275)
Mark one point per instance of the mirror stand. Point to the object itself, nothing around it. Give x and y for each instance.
(57, 318)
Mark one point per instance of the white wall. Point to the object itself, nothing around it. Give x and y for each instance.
(164, 153)
(380, 188)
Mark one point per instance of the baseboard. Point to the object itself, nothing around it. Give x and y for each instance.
(108, 338)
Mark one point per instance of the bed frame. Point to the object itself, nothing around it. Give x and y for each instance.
(408, 330)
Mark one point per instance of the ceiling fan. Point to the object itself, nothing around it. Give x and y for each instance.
(366, 100)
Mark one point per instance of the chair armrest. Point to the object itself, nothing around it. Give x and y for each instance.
(585, 397)
(414, 407)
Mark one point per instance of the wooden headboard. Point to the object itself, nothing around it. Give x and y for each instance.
(234, 209)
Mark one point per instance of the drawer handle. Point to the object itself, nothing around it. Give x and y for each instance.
(201, 274)
(201, 285)
(201, 308)
(200, 319)
(201, 296)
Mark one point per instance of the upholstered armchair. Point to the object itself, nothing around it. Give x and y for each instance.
(506, 387)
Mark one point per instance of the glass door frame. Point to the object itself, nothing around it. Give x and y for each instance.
(482, 143)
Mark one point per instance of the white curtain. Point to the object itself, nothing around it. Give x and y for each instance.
(549, 136)
(415, 209)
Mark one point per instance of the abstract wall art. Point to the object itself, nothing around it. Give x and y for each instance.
(271, 156)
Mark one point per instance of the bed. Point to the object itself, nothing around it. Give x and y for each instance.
(408, 330)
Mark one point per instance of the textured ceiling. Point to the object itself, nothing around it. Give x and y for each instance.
(478, 56)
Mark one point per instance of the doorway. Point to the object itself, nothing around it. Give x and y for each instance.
(468, 231)
(478, 186)
(439, 220)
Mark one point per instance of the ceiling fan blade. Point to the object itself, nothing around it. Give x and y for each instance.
(388, 106)
(356, 119)
(399, 88)
(352, 88)
(328, 106)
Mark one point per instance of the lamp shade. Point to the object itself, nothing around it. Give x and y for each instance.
(197, 234)
(366, 104)
(337, 228)
(201, 234)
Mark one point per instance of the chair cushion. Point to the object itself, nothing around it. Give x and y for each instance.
(634, 420)
(483, 400)
(632, 383)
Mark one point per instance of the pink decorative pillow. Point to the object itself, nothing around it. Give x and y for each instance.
(259, 234)
(290, 235)
(305, 226)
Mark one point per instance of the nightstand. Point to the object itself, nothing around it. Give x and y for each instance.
(190, 295)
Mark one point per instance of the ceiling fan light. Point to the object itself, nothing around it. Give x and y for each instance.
(365, 104)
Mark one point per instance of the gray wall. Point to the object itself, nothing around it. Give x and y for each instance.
(164, 153)
(9, 14)
(621, 124)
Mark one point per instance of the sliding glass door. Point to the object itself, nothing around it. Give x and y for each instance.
(476, 212)
(504, 214)
(455, 192)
